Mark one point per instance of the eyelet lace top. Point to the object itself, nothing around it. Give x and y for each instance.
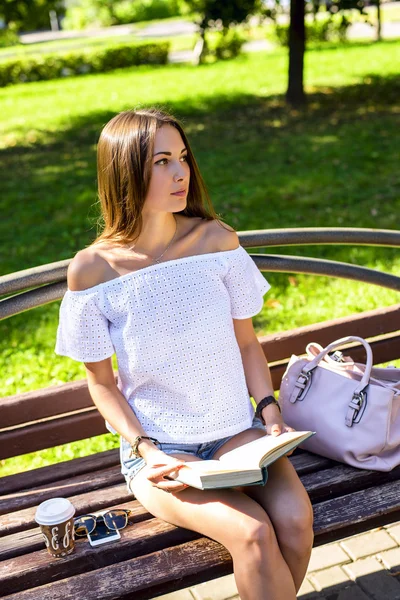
(170, 325)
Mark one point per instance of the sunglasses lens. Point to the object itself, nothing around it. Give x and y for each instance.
(116, 519)
(84, 525)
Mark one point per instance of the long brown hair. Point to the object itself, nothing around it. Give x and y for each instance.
(124, 165)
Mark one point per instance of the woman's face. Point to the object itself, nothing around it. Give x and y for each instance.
(170, 172)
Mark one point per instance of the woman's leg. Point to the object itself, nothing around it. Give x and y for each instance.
(287, 504)
(233, 519)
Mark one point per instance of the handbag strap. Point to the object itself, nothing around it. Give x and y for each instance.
(388, 377)
(333, 346)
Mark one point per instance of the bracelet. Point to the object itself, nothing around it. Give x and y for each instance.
(263, 403)
(135, 451)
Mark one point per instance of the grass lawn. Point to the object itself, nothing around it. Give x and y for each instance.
(266, 166)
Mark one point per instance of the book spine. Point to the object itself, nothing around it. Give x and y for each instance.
(264, 473)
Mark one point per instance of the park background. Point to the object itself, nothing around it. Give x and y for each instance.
(332, 162)
(268, 163)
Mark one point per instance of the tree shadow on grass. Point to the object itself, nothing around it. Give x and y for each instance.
(334, 163)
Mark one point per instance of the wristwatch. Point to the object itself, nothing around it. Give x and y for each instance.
(263, 403)
(135, 446)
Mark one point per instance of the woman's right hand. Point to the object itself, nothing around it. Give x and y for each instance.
(162, 466)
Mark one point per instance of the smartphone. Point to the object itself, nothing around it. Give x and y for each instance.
(102, 535)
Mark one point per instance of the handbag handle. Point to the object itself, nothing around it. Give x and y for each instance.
(387, 377)
(333, 346)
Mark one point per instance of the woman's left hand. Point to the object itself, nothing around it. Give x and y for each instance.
(277, 426)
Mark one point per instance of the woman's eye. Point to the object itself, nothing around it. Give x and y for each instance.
(166, 159)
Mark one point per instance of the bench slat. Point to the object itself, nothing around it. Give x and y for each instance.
(88, 422)
(65, 488)
(61, 470)
(173, 571)
(141, 577)
(96, 500)
(54, 432)
(67, 485)
(25, 542)
(341, 479)
(37, 568)
(367, 324)
(362, 510)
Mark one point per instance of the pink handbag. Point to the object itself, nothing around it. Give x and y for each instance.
(353, 408)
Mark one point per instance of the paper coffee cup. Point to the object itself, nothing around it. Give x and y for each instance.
(55, 517)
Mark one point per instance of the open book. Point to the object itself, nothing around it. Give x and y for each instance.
(246, 465)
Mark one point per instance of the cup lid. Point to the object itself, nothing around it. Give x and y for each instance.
(54, 511)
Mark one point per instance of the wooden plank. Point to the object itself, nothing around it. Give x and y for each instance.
(56, 400)
(174, 568)
(367, 324)
(342, 479)
(179, 563)
(31, 540)
(42, 403)
(93, 500)
(62, 487)
(48, 434)
(61, 470)
(38, 568)
(335, 516)
(340, 517)
(89, 502)
(305, 462)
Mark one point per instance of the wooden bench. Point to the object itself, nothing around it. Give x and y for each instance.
(154, 557)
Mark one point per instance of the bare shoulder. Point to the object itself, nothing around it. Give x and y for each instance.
(222, 236)
(86, 269)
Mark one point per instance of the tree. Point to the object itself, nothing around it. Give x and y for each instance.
(224, 12)
(297, 44)
(29, 15)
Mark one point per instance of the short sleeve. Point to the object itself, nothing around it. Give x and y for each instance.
(246, 285)
(83, 330)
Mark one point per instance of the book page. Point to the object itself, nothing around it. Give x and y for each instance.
(211, 466)
(254, 454)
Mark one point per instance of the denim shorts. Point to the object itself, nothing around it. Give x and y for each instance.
(130, 467)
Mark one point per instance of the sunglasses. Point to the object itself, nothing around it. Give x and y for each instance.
(113, 519)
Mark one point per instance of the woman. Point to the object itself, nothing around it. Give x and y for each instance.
(168, 287)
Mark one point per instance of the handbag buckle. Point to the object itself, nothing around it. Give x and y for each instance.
(301, 386)
(356, 408)
(337, 356)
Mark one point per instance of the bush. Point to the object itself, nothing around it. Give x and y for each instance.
(147, 10)
(327, 30)
(8, 38)
(85, 13)
(228, 45)
(52, 66)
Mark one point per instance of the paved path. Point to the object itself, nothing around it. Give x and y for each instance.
(362, 567)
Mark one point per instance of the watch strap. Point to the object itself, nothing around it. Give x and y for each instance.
(135, 445)
(263, 403)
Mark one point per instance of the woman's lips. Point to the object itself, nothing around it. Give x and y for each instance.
(179, 193)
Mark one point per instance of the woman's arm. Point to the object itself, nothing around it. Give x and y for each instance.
(113, 406)
(115, 409)
(258, 375)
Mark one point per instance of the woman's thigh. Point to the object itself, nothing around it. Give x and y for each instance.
(283, 497)
(223, 515)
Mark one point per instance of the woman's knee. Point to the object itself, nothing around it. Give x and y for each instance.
(296, 528)
(253, 538)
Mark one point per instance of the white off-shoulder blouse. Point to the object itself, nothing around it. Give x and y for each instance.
(170, 325)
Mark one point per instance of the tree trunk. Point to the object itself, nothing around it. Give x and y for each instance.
(379, 22)
(297, 42)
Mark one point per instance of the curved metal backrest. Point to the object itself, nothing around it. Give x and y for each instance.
(49, 281)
